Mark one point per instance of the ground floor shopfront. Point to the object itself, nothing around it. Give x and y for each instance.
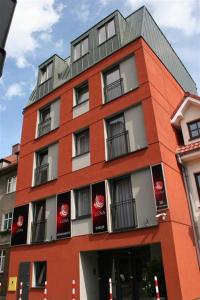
(130, 259)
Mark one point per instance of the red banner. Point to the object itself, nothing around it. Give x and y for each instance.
(63, 215)
(20, 225)
(159, 187)
(99, 215)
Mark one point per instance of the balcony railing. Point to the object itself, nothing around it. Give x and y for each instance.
(118, 145)
(38, 231)
(44, 127)
(113, 90)
(41, 174)
(44, 88)
(124, 215)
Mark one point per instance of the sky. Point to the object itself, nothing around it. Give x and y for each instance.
(41, 28)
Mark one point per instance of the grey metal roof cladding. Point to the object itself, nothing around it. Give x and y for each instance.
(139, 24)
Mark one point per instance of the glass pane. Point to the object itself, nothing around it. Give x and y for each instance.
(43, 158)
(45, 114)
(112, 76)
(193, 126)
(82, 94)
(111, 29)
(195, 133)
(43, 75)
(49, 70)
(83, 202)
(85, 46)
(122, 190)
(82, 142)
(116, 125)
(77, 51)
(102, 35)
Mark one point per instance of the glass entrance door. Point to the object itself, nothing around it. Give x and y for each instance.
(124, 276)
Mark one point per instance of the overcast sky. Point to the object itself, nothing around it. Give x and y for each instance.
(41, 28)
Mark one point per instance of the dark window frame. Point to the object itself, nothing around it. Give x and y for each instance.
(197, 183)
(76, 135)
(85, 215)
(115, 84)
(81, 48)
(105, 25)
(43, 121)
(76, 93)
(41, 167)
(190, 130)
(44, 70)
(36, 273)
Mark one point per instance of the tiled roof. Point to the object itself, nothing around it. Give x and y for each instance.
(189, 148)
(11, 158)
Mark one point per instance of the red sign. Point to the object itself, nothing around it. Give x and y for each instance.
(99, 215)
(159, 187)
(63, 215)
(19, 226)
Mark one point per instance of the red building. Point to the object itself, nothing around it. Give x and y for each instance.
(100, 194)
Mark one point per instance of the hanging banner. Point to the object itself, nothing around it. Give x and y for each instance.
(99, 216)
(20, 225)
(63, 216)
(159, 187)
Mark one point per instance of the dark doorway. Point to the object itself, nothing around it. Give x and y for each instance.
(24, 276)
(132, 271)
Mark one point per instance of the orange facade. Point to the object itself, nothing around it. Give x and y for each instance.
(159, 94)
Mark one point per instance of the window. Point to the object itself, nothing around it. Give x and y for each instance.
(82, 94)
(82, 142)
(2, 260)
(41, 171)
(106, 31)
(44, 125)
(123, 205)
(11, 184)
(118, 139)
(194, 129)
(197, 178)
(7, 221)
(112, 84)
(39, 221)
(40, 273)
(46, 72)
(82, 200)
(81, 48)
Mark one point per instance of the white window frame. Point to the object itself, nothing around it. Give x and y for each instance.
(2, 260)
(6, 219)
(11, 184)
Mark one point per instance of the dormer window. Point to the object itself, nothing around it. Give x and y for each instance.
(106, 31)
(46, 72)
(194, 129)
(81, 48)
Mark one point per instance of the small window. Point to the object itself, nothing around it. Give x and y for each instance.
(194, 129)
(197, 178)
(82, 142)
(113, 87)
(11, 184)
(44, 125)
(81, 48)
(83, 203)
(2, 260)
(40, 270)
(7, 221)
(82, 94)
(106, 31)
(42, 166)
(46, 72)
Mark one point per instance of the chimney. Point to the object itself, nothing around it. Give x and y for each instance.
(15, 149)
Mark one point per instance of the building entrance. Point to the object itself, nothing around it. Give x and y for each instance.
(132, 271)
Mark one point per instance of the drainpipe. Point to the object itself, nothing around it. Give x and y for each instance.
(188, 192)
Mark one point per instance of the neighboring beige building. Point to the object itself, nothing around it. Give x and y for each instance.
(8, 179)
(186, 119)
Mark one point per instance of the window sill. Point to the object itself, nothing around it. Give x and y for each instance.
(39, 137)
(194, 138)
(110, 38)
(79, 104)
(81, 57)
(79, 155)
(126, 154)
(82, 217)
(41, 184)
(124, 94)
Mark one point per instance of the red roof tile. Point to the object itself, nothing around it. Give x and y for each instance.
(11, 158)
(188, 148)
